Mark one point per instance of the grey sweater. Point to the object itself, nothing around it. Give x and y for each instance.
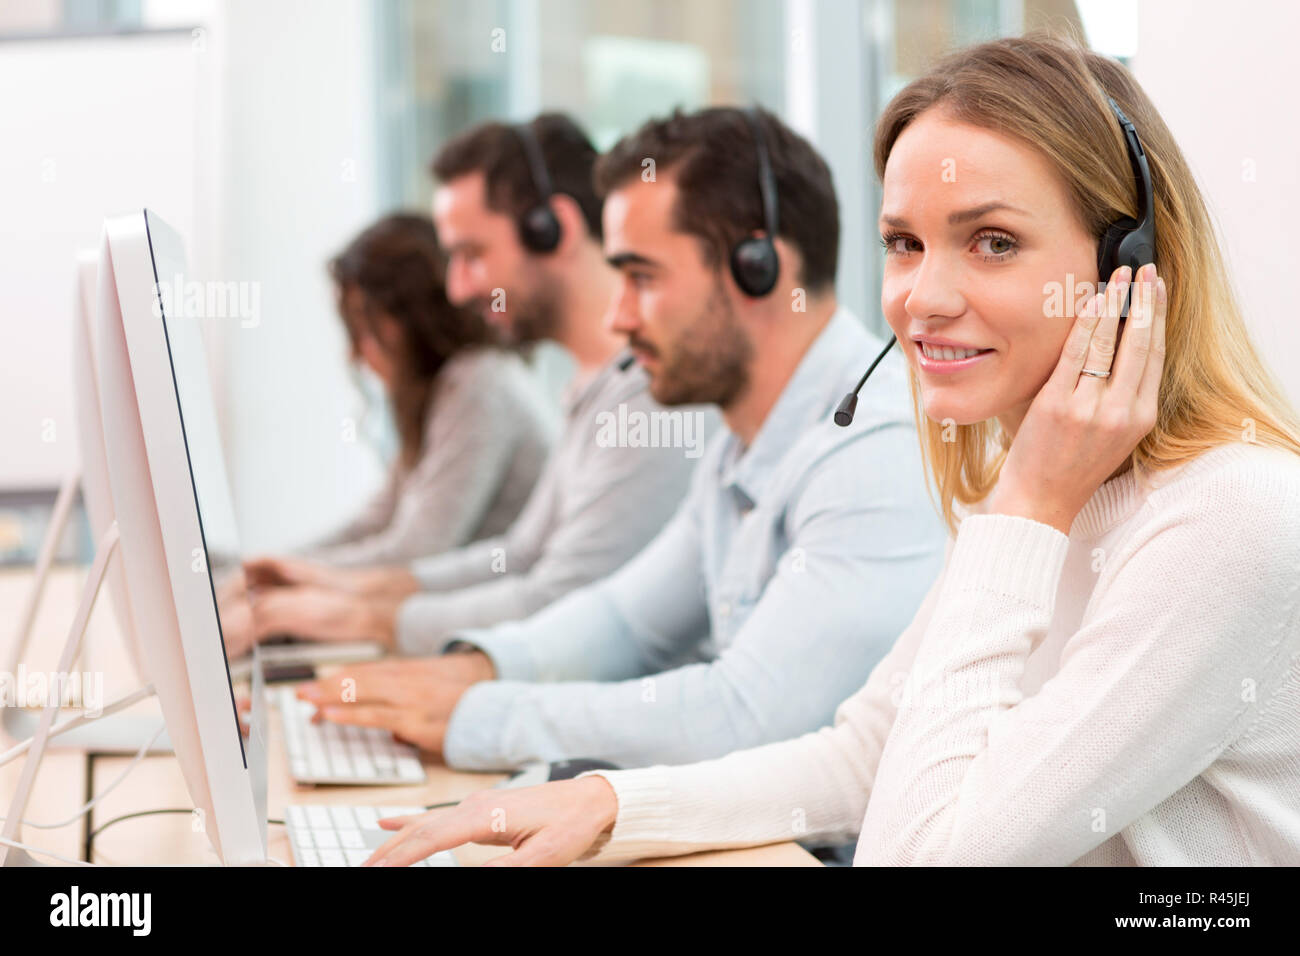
(488, 433)
(595, 506)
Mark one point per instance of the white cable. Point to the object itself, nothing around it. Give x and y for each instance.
(54, 856)
(72, 723)
(140, 755)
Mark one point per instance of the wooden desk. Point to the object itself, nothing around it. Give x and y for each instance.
(61, 786)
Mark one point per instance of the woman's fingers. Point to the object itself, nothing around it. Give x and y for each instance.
(537, 850)
(1149, 388)
(1101, 347)
(1066, 374)
(1135, 345)
(550, 825)
(478, 819)
(429, 833)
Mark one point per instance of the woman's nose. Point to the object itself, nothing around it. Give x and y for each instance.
(934, 291)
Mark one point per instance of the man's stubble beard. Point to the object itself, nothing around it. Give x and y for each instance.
(709, 363)
(537, 315)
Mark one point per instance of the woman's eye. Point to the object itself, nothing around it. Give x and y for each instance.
(899, 245)
(995, 246)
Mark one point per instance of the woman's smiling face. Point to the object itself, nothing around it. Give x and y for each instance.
(977, 228)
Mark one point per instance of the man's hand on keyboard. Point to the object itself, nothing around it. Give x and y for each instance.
(412, 698)
(324, 614)
(550, 825)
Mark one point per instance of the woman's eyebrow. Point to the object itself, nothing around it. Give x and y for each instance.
(965, 215)
(961, 216)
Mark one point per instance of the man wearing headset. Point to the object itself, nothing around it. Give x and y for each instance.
(519, 219)
(802, 549)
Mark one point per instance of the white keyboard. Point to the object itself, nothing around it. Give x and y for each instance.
(341, 753)
(345, 836)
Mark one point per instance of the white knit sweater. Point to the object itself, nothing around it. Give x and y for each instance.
(1127, 695)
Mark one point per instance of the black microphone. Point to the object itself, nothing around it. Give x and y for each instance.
(849, 403)
(627, 361)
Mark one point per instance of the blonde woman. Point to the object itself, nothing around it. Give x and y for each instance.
(1106, 670)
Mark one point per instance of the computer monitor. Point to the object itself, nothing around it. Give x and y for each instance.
(179, 547)
(95, 491)
(119, 732)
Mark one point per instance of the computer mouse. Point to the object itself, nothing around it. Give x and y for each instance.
(568, 769)
(535, 774)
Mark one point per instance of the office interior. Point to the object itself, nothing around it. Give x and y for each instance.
(268, 134)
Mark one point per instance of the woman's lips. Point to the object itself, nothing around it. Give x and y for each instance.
(945, 359)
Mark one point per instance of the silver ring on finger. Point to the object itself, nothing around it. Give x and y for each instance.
(1094, 373)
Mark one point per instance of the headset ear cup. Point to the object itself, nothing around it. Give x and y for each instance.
(1108, 249)
(539, 230)
(754, 266)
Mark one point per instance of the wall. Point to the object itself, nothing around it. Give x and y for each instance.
(1226, 84)
(110, 126)
(298, 179)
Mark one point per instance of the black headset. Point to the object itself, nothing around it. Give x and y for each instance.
(754, 262)
(539, 229)
(1126, 241)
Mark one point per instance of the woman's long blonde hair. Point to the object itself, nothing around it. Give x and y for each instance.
(1050, 92)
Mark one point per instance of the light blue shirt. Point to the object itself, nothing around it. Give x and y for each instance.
(785, 575)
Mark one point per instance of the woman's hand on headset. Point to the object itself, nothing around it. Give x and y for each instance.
(1081, 428)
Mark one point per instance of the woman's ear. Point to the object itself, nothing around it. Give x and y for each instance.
(388, 332)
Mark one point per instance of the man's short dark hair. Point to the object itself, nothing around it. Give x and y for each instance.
(496, 150)
(714, 160)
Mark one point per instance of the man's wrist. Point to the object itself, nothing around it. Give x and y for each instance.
(381, 620)
(477, 665)
(387, 582)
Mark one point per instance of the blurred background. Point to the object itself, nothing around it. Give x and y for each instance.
(268, 133)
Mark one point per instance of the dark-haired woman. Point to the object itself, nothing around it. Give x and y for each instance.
(474, 426)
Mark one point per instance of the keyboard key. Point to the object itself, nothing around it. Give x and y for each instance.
(367, 817)
(303, 838)
(351, 839)
(332, 858)
(325, 839)
(318, 816)
(296, 815)
(408, 768)
(357, 857)
(306, 857)
(342, 817)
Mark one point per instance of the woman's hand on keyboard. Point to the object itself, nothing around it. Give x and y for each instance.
(276, 572)
(550, 825)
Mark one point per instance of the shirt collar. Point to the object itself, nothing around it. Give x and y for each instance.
(815, 383)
